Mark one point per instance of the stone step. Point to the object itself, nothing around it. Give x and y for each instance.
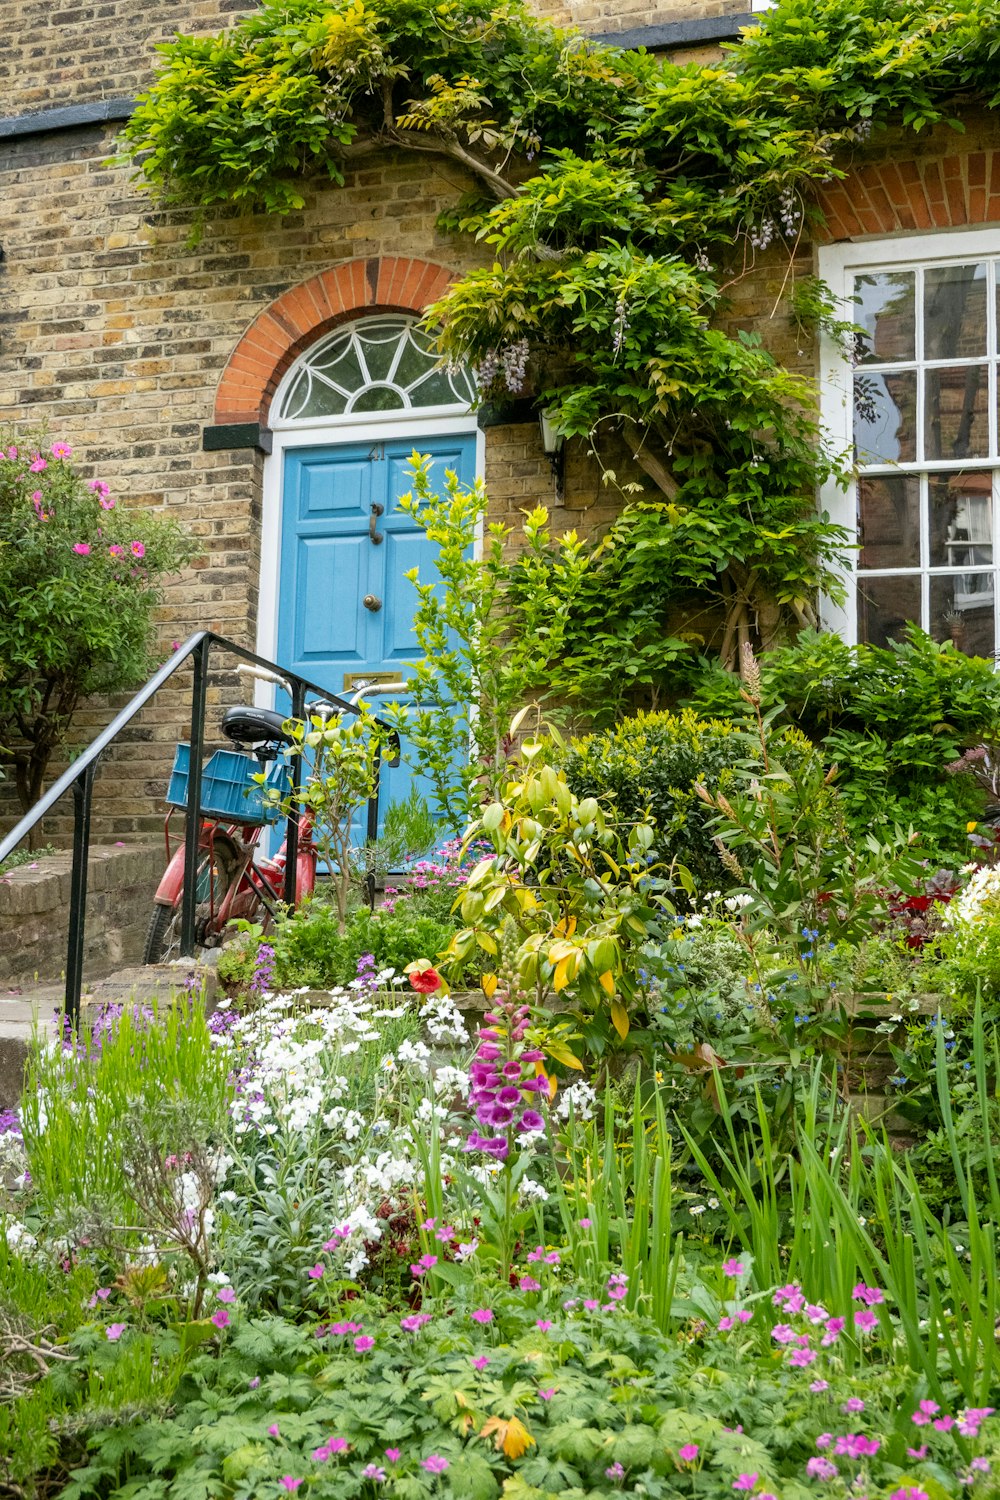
(40, 1005)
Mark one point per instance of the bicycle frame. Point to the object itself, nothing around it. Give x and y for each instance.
(256, 882)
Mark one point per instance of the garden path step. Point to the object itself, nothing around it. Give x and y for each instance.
(38, 1004)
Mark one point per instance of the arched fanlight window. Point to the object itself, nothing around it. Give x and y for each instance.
(382, 364)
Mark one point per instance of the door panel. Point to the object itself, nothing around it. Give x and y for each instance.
(329, 562)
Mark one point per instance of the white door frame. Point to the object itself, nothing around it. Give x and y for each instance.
(326, 433)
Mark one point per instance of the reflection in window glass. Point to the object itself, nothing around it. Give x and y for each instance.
(884, 417)
(885, 308)
(378, 398)
(960, 513)
(956, 412)
(889, 521)
(885, 607)
(961, 610)
(955, 312)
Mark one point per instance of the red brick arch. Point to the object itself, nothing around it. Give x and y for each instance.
(937, 192)
(278, 335)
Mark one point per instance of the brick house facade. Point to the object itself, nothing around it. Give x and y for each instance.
(158, 359)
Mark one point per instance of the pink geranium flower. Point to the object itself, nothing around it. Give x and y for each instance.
(220, 1318)
(114, 1331)
(434, 1463)
(745, 1482)
(689, 1452)
(316, 1272)
(732, 1267)
(226, 1294)
(37, 465)
(364, 1343)
(482, 1315)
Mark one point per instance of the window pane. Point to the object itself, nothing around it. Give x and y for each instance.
(955, 312)
(379, 343)
(884, 305)
(340, 363)
(313, 398)
(414, 363)
(961, 520)
(956, 412)
(885, 605)
(885, 417)
(889, 521)
(962, 611)
(378, 398)
(434, 391)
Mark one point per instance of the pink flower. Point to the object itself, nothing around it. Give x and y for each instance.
(220, 1318)
(824, 1440)
(689, 1452)
(834, 1328)
(783, 1333)
(745, 1482)
(107, 502)
(116, 551)
(867, 1294)
(918, 1453)
(137, 549)
(414, 1322)
(943, 1424)
(856, 1445)
(586, 1223)
(743, 1315)
(543, 1325)
(819, 1386)
(908, 1492)
(853, 1404)
(114, 1331)
(548, 1393)
(226, 1294)
(288, 1483)
(37, 465)
(99, 487)
(482, 1315)
(732, 1268)
(865, 1320)
(434, 1463)
(392, 1454)
(372, 1471)
(821, 1468)
(590, 1304)
(274, 1430)
(529, 1284)
(801, 1358)
(337, 1445)
(82, 549)
(725, 1325)
(364, 1343)
(316, 1272)
(61, 450)
(480, 1362)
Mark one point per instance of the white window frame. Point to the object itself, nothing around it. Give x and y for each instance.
(838, 265)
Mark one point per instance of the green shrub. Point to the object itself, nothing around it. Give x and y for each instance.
(891, 718)
(652, 762)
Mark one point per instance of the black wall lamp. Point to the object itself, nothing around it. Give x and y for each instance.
(554, 444)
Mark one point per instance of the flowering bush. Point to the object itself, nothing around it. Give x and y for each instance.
(82, 576)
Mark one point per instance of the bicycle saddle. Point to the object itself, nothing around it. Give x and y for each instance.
(252, 726)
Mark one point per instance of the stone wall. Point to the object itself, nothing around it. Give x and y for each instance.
(34, 903)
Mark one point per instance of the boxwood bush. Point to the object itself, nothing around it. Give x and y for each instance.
(651, 763)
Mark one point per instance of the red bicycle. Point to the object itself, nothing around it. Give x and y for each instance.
(234, 879)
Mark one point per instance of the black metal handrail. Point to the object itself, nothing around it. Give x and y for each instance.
(79, 778)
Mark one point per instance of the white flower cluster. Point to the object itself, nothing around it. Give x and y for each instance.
(979, 899)
(579, 1099)
(443, 1021)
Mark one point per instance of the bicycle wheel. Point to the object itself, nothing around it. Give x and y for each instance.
(216, 872)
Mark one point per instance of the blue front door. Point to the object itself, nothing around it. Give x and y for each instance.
(345, 604)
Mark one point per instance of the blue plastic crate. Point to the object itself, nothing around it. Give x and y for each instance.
(227, 790)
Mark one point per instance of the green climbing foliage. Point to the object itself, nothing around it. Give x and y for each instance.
(621, 196)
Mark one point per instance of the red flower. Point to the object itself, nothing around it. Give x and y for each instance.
(426, 981)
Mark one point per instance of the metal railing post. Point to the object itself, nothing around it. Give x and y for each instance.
(192, 825)
(83, 788)
(292, 823)
(371, 834)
